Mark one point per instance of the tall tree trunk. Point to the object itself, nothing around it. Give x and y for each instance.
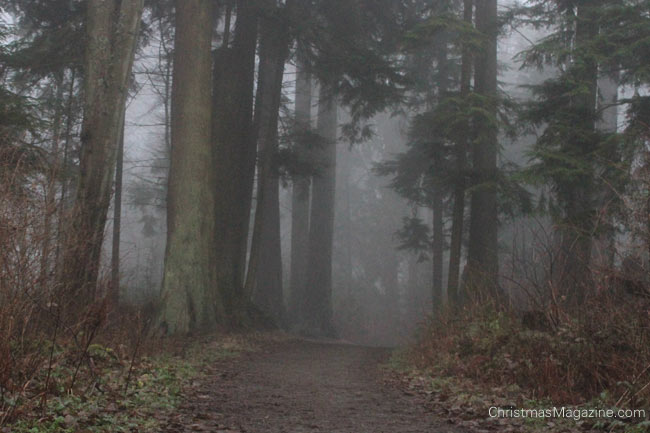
(264, 279)
(300, 194)
(389, 280)
(63, 173)
(234, 145)
(112, 28)
(646, 170)
(317, 309)
(190, 297)
(577, 198)
(483, 264)
(438, 246)
(414, 301)
(344, 165)
(460, 150)
(268, 293)
(608, 123)
(114, 294)
(52, 178)
(438, 295)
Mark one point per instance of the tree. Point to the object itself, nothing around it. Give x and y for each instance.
(301, 191)
(114, 292)
(458, 212)
(235, 153)
(438, 193)
(317, 306)
(43, 61)
(482, 254)
(112, 32)
(190, 298)
(566, 152)
(433, 168)
(264, 279)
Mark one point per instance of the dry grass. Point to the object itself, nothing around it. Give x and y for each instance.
(604, 347)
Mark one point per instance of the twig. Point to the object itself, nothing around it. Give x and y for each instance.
(135, 353)
(83, 354)
(49, 363)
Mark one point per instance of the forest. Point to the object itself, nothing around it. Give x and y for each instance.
(354, 216)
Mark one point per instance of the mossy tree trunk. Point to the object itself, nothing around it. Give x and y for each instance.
(190, 298)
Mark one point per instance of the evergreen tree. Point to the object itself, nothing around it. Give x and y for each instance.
(590, 40)
(482, 254)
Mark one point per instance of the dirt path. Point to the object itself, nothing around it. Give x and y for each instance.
(304, 387)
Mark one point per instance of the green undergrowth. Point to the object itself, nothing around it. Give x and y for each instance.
(118, 395)
(482, 359)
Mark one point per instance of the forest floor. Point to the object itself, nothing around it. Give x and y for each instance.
(268, 383)
(304, 386)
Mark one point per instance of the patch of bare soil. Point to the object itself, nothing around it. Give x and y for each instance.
(302, 386)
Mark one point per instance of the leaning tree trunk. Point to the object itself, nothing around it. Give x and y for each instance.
(112, 31)
(234, 144)
(460, 150)
(300, 194)
(482, 260)
(317, 309)
(190, 298)
(264, 278)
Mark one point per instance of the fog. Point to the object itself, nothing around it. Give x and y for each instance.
(381, 293)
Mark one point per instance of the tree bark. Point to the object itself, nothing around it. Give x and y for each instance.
(264, 278)
(483, 264)
(605, 248)
(438, 295)
(190, 298)
(69, 122)
(460, 148)
(112, 28)
(300, 195)
(317, 309)
(438, 247)
(51, 179)
(234, 145)
(114, 294)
